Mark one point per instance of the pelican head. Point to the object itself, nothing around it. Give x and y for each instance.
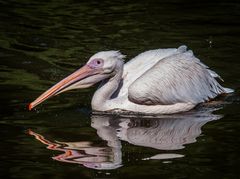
(100, 66)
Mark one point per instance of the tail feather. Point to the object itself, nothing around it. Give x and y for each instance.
(214, 74)
(228, 90)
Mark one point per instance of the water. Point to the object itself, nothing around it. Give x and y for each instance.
(41, 42)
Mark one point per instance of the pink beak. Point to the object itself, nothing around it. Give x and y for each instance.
(64, 84)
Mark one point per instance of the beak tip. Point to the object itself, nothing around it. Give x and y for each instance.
(30, 107)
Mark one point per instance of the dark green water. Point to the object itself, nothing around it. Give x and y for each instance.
(41, 42)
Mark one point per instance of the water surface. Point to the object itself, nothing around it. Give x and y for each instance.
(41, 42)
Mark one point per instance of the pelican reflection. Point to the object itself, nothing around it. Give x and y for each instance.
(163, 133)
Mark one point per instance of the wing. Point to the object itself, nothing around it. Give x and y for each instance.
(143, 62)
(178, 78)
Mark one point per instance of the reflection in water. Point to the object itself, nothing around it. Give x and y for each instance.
(83, 152)
(164, 133)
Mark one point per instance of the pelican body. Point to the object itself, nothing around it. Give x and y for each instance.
(161, 81)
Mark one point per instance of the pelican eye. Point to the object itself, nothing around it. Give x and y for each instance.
(96, 63)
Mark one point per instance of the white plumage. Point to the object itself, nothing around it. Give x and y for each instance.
(161, 81)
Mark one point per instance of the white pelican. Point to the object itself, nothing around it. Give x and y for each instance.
(161, 81)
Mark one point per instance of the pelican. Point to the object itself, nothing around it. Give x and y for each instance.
(161, 81)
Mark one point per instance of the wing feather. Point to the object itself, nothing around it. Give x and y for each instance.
(143, 62)
(174, 79)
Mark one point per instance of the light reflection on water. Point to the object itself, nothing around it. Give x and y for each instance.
(165, 133)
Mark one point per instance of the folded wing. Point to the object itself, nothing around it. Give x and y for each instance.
(178, 78)
(137, 66)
